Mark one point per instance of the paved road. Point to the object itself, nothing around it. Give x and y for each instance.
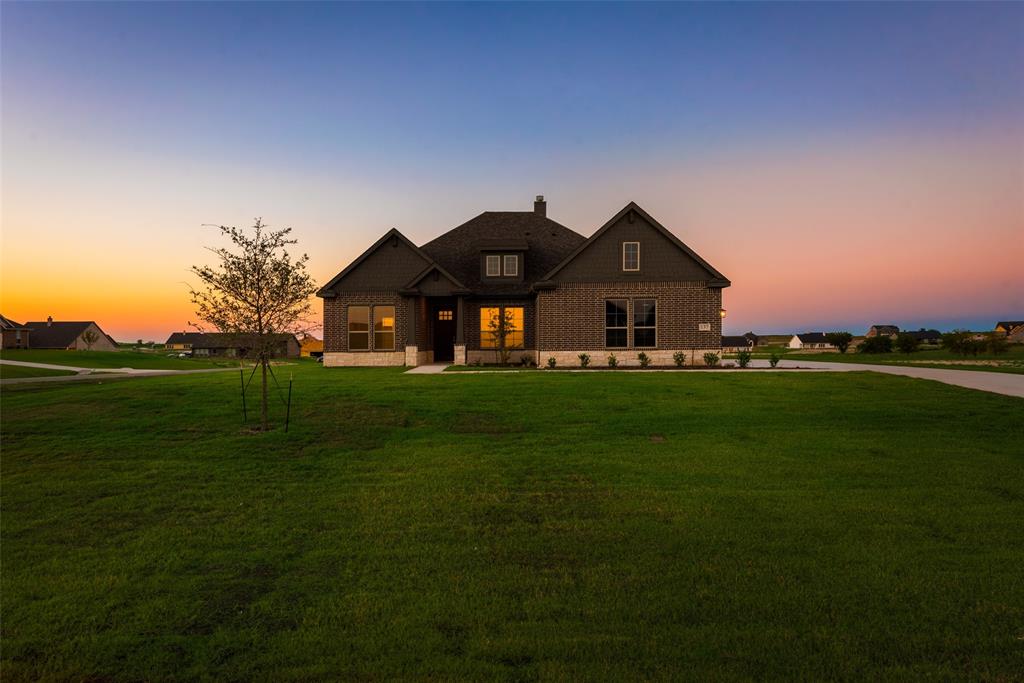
(1005, 383)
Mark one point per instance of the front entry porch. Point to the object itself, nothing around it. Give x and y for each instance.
(436, 331)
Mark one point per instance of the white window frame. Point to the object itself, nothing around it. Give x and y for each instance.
(624, 268)
(514, 260)
(496, 260)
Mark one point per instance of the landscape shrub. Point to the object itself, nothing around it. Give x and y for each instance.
(840, 340)
(525, 360)
(907, 343)
(552, 362)
(775, 358)
(711, 359)
(584, 360)
(679, 358)
(876, 345)
(743, 358)
(644, 359)
(612, 361)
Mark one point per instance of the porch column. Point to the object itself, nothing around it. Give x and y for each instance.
(411, 349)
(460, 333)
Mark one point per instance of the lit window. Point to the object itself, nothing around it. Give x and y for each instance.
(645, 322)
(511, 264)
(444, 315)
(493, 265)
(631, 256)
(615, 323)
(490, 328)
(384, 328)
(358, 328)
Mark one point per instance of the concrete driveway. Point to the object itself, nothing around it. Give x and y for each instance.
(93, 373)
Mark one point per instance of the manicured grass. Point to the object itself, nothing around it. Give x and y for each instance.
(115, 359)
(19, 371)
(570, 526)
(1011, 361)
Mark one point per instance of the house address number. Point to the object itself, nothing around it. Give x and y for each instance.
(704, 327)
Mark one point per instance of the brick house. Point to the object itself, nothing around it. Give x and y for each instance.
(13, 335)
(204, 344)
(632, 286)
(883, 331)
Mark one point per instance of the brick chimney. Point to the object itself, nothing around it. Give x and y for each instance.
(540, 207)
(49, 321)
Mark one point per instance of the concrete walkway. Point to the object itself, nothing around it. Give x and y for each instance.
(94, 373)
(431, 369)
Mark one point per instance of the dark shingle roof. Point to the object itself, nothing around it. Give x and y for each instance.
(886, 328)
(735, 341)
(8, 324)
(546, 244)
(1009, 324)
(220, 340)
(923, 335)
(59, 335)
(812, 338)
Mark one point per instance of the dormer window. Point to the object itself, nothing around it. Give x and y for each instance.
(631, 256)
(511, 265)
(493, 265)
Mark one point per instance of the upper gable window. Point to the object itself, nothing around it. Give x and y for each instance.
(493, 265)
(631, 256)
(511, 265)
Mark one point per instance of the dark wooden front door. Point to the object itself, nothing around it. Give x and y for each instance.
(444, 334)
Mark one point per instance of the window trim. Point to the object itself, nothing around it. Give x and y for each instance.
(624, 327)
(504, 265)
(497, 265)
(624, 268)
(654, 327)
(348, 319)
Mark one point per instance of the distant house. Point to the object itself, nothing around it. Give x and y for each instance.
(926, 336)
(883, 331)
(754, 339)
(230, 345)
(1007, 327)
(15, 335)
(736, 343)
(311, 346)
(810, 340)
(51, 334)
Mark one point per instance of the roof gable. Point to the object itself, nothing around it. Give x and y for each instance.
(664, 257)
(389, 264)
(59, 335)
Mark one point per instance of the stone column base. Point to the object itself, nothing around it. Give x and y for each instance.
(460, 354)
(412, 356)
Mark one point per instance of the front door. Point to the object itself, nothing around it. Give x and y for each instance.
(444, 334)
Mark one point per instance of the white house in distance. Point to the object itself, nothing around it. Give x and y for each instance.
(810, 340)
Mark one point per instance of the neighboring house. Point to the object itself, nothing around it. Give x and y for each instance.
(810, 340)
(15, 335)
(230, 345)
(51, 334)
(926, 336)
(632, 286)
(755, 340)
(311, 346)
(1006, 327)
(883, 331)
(733, 344)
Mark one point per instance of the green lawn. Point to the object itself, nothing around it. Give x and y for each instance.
(519, 526)
(141, 360)
(1011, 361)
(18, 371)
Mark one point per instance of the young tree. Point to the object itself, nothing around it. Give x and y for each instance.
(840, 340)
(879, 344)
(256, 292)
(907, 343)
(90, 338)
(502, 326)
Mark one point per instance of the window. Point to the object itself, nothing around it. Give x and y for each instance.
(444, 315)
(615, 323)
(631, 256)
(358, 328)
(490, 317)
(383, 328)
(511, 264)
(493, 265)
(645, 322)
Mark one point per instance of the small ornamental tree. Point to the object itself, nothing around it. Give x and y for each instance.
(502, 326)
(840, 340)
(907, 343)
(256, 291)
(90, 337)
(711, 359)
(880, 344)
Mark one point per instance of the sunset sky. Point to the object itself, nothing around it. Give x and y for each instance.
(843, 165)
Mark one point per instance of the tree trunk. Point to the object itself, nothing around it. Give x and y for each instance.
(263, 396)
